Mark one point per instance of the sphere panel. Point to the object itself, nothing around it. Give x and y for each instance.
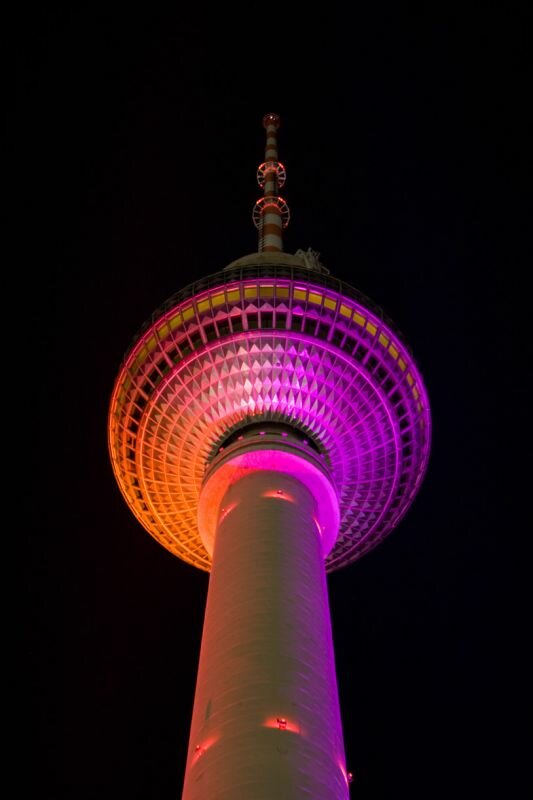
(269, 348)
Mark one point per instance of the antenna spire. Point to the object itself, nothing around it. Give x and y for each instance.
(271, 212)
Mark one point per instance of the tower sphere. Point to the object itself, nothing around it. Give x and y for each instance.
(271, 340)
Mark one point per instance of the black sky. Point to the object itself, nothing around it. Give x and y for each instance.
(134, 137)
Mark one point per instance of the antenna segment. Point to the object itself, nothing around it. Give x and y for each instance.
(271, 212)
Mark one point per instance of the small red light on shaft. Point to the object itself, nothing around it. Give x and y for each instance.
(282, 723)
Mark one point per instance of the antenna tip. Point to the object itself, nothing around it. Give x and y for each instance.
(271, 119)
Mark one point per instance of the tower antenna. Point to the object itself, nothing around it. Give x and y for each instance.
(271, 212)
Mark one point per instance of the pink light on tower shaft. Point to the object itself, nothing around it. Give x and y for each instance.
(268, 425)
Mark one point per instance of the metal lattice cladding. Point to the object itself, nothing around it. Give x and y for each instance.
(269, 339)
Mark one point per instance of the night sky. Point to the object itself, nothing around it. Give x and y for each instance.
(135, 138)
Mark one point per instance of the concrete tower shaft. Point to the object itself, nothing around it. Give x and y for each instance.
(266, 720)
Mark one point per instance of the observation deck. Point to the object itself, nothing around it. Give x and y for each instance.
(271, 338)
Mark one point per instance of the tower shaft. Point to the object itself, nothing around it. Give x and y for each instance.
(266, 720)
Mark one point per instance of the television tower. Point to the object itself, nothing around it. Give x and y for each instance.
(269, 425)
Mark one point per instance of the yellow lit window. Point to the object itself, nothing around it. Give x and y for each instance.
(359, 318)
(151, 344)
(402, 364)
(371, 328)
(300, 294)
(234, 296)
(314, 297)
(250, 291)
(163, 331)
(415, 393)
(329, 303)
(266, 290)
(188, 312)
(203, 306)
(140, 358)
(282, 291)
(383, 340)
(410, 380)
(175, 322)
(218, 299)
(393, 351)
(346, 311)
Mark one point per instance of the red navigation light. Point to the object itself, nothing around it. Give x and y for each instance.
(283, 724)
(271, 119)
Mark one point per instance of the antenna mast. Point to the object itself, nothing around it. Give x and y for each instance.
(271, 212)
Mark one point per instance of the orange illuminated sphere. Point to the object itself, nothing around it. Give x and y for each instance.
(269, 339)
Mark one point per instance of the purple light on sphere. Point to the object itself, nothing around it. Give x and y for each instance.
(270, 339)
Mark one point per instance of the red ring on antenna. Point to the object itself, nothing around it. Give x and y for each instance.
(264, 202)
(271, 166)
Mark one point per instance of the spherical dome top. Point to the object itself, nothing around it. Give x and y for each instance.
(273, 337)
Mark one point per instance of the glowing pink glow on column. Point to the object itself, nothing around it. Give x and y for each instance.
(266, 678)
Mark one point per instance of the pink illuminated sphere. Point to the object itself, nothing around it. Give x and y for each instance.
(273, 338)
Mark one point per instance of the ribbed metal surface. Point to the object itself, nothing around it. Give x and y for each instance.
(266, 722)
